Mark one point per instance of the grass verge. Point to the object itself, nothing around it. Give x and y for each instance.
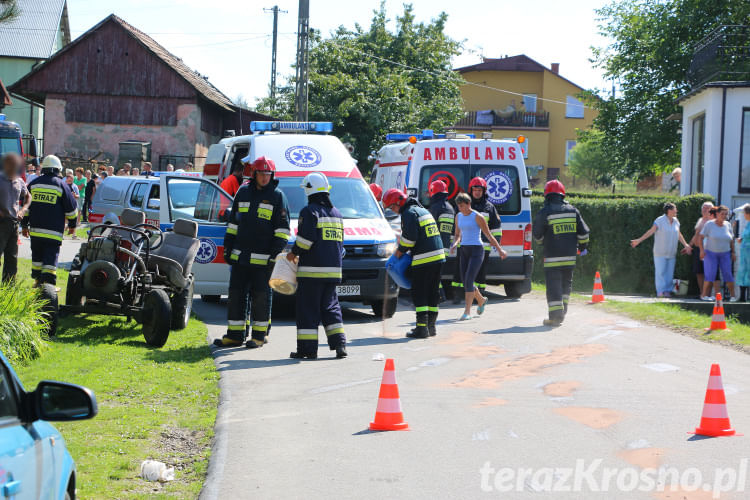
(153, 403)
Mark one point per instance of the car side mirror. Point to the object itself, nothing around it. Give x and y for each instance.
(154, 204)
(526, 192)
(226, 216)
(32, 147)
(61, 402)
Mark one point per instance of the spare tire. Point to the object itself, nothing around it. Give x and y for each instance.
(157, 317)
(48, 294)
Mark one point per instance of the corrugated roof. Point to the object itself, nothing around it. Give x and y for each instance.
(33, 34)
(199, 82)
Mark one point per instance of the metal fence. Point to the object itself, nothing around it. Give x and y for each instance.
(516, 119)
(724, 55)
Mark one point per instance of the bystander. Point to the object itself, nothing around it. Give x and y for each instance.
(14, 201)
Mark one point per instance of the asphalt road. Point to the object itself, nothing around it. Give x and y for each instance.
(483, 399)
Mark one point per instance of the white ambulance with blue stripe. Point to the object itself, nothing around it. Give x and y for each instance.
(412, 161)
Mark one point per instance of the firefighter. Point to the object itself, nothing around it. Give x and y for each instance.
(51, 203)
(486, 209)
(319, 247)
(377, 191)
(420, 236)
(257, 231)
(444, 214)
(561, 229)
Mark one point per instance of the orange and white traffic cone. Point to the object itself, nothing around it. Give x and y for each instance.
(598, 295)
(388, 415)
(718, 321)
(715, 419)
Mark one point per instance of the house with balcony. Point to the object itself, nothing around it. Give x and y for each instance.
(716, 118)
(516, 95)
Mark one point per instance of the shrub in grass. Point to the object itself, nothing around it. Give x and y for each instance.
(22, 323)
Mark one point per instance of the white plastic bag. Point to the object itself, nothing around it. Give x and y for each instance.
(284, 275)
(152, 470)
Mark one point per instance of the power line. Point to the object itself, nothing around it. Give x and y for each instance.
(225, 42)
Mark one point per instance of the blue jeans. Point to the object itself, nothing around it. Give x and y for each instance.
(664, 273)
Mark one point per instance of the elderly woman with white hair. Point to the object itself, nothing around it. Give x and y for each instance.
(697, 261)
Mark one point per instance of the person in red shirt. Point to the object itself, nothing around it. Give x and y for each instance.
(234, 180)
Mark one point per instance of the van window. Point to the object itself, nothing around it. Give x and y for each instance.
(139, 192)
(453, 175)
(352, 197)
(499, 188)
(110, 192)
(197, 200)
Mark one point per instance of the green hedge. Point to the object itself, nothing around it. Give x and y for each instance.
(613, 223)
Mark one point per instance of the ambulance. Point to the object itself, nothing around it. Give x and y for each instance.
(412, 161)
(297, 148)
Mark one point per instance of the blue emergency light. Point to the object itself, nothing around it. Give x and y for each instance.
(426, 134)
(324, 127)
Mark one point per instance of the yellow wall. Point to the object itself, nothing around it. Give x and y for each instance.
(546, 146)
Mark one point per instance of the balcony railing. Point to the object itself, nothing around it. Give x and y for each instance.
(515, 119)
(724, 55)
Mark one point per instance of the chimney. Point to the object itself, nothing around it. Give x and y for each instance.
(556, 68)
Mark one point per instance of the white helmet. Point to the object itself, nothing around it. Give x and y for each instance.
(52, 162)
(315, 182)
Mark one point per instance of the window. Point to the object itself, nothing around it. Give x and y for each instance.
(139, 192)
(569, 145)
(350, 196)
(573, 107)
(745, 152)
(496, 187)
(455, 176)
(197, 200)
(10, 145)
(697, 160)
(8, 405)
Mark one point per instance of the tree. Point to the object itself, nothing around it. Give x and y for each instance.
(9, 11)
(652, 44)
(589, 160)
(369, 83)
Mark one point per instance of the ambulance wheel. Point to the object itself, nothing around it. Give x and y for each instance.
(385, 308)
(514, 289)
(48, 294)
(157, 317)
(182, 305)
(211, 299)
(73, 292)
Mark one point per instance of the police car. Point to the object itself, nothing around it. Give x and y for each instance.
(368, 238)
(299, 148)
(413, 161)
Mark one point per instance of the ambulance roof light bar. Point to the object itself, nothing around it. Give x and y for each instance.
(425, 135)
(321, 127)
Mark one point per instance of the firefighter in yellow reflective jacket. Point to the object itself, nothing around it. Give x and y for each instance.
(51, 204)
(319, 246)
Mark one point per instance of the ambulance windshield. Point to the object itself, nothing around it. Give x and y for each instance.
(351, 196)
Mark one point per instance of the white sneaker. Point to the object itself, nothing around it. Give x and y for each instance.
(733, 299)
(706, 298)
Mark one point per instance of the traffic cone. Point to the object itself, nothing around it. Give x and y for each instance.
(718, 322)
(715, 419)
(598, 295)
(388, 415)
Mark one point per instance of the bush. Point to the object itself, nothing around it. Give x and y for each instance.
(22, 322)
(613, 223)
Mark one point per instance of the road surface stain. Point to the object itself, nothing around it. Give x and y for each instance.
(685, 495)
(477, 352)
(645, 458)
(459, 338)
(490, 402)
(596, 418)
(527, 366)
(561, 389)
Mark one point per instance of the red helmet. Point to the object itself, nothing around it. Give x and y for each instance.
(478, 182)
(438, 186)
(376, 190)
(554, 187)
(263, 164)
(394, 197)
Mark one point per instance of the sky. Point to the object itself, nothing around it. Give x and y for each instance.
(229, 41)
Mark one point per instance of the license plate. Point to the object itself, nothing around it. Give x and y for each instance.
(345, 290)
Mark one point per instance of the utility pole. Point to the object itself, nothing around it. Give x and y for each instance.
(275, 9)
(303, 42)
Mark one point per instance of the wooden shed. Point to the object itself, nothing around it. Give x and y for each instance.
(114, 83)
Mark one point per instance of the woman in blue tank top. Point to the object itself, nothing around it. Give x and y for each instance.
(469, 226)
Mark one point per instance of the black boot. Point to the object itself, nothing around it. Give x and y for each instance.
(431, 321)
(420, 332)
(302, 355)
(255, 343)
(229, 340)
(341, 352)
